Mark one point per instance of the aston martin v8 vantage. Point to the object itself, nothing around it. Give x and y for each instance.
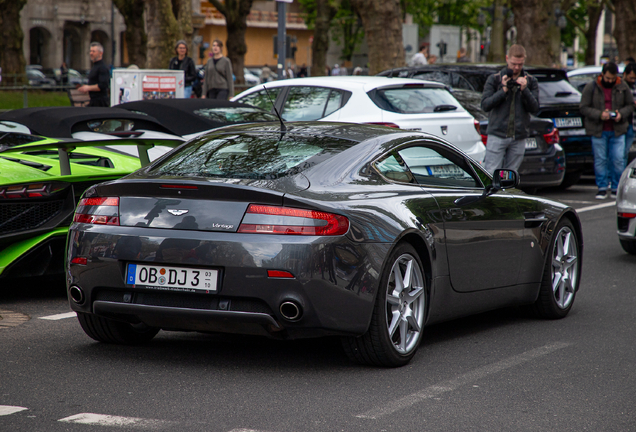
(314, 228)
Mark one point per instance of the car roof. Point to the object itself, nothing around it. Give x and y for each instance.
(59, 122)
(349, 82)
(178, 114)
(592, 70)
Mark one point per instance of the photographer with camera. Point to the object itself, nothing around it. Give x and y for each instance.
(509, 97)
(607, 103)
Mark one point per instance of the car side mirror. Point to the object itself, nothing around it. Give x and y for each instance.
(505, 179)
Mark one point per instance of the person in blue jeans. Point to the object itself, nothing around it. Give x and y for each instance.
(629, 76)
(606, 104)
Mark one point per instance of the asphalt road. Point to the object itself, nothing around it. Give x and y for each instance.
(499, 371)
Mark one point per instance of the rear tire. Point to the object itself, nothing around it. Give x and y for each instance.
(561, 274)
(115, 332)
(570, 179)
(398, 316)
(629, 246)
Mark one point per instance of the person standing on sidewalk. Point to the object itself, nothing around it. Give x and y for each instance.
(98, 78)
(186, 64)
(218, 82)
(629, 76)
(606, 104)
(509, 97)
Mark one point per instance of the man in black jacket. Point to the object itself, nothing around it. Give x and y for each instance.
(607, 103)
(98, 78)
(509, 97)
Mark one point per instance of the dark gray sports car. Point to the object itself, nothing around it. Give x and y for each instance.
(315, 229)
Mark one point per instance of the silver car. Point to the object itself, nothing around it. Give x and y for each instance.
(626, 209)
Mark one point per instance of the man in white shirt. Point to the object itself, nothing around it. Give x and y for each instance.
(420, 57)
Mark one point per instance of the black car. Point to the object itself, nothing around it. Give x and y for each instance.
(558, 99)
(543, 163)
(311, 229)
(191, 117)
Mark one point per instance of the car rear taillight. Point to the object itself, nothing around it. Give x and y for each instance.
(265, 219)
(393, 125)
(476, 124)
(552, 137)
(98, 210)
(34, 190)
(484, 139)
(627, 215)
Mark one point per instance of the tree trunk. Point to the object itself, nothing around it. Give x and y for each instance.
(497, 52)
(235, 12)
(165, 29)
(11, 56)
(136, 38)
(325, 11)
(594, 12)
(624, 32)
(533, 29)
(382, 22)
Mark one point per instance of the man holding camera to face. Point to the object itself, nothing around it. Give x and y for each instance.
(607, 103)
(509, 97)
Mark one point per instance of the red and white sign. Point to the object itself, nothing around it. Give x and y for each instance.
(159, 83)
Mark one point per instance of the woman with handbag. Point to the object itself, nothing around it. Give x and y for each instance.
(218, 82)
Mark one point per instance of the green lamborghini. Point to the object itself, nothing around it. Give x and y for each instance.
(41, 179)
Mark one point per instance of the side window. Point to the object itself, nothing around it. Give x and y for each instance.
(309, 103)
(334, 102)
(481, 173)
(435, 166)
(394, 169)
(262, 99)
(459, 82)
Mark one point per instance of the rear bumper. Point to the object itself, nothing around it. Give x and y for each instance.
(334, 282)
(543, 169)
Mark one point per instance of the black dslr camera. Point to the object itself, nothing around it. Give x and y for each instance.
(511, 83)
(613, 114)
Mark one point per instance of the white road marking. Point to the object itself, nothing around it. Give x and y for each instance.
(60, 316)
(108, 420)
(453, 384)
(8, 409)
(596, 207)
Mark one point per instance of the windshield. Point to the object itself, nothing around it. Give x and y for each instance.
(249, 156)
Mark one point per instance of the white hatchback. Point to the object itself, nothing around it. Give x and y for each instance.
(403, 103)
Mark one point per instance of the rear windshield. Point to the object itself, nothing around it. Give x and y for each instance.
(414, 100)
(235, 114)
(249, 156)
(558, 89)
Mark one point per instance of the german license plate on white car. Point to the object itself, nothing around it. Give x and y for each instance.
(531, 143)
(172, 278)
(568, 122)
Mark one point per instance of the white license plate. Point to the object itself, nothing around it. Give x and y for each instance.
(445, 170)
(572, 132)
(568, 122)
(531, 143)
(172, 278)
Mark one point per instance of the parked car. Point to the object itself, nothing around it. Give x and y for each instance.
(307, 229)
(544, 159)
(558, 99)
(626, 208)
(189, 118)
(581, 76)
(37, 78)
(400, 103)
(250, 78)
(73, 77)
(41, 179)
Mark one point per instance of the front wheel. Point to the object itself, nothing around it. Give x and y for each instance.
(398, 317)
(115, 332)
(561, 273)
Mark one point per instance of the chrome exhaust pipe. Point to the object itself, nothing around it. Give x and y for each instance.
(290, 310)
(76, 293)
